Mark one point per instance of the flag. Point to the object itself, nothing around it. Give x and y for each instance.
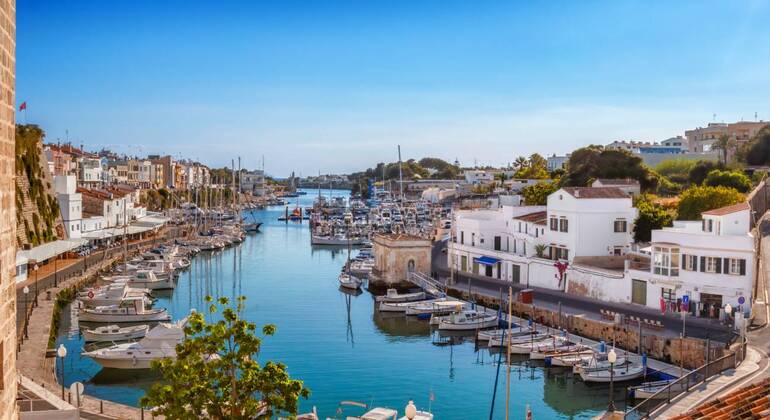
(23, 106)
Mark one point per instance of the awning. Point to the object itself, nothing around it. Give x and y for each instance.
(487, 260)
(47, 251)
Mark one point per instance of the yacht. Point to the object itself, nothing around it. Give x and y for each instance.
(130, 310)
(159, 343)
(115, 333)
(112, 294)
(142, 278)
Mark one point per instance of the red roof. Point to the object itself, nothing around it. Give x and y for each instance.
(595, 192)
(538, 217)
(727, 209)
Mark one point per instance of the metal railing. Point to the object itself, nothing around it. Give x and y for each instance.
(684, 384)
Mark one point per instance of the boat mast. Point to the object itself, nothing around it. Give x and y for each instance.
(508, 358)
(400, 175)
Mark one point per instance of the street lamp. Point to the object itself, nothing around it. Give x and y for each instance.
(612, 357)
(26, 292)
(410, 411)
(62, 353)
(34, 267)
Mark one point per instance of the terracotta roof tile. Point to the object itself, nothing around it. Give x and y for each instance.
(727, 209)
(595, 192)
(538, 217)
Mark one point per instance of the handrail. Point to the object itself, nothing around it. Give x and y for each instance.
(650, 405)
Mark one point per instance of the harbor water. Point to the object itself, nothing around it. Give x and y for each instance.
(337, 343)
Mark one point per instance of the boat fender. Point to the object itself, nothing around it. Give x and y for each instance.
(90, 294)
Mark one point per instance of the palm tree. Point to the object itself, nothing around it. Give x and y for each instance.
(723, 143)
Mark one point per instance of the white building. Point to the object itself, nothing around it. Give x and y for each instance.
(253, 182)
(557, 162)
(477, 177)
(521, 243)
(90, 171)
(711, 261)
(70, 204)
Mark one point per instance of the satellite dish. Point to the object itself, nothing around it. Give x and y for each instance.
(76, 390)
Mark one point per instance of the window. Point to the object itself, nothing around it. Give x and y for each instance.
(462, 237)
(690, 262)
(666, 261)
(563, 224)
(621, 226)
(735, 266)
(498, 244)
(669, 295)
(708, 225)
(617, 251)
(554, 224)
(559, 253)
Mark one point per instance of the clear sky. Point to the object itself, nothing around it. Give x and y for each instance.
(334, 86)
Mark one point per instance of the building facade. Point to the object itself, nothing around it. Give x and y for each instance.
(8, 376)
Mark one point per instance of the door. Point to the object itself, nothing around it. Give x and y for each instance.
(498, 243)
(488, 270)
(499, 269)
(515, 273)
(464, 263)
(639, 292)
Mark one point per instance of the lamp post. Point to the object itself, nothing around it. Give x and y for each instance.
(62, 353)
(612, 357)
(26, 292)
(411, 410)
(35, 267)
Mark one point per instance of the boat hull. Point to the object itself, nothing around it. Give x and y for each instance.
(95, 317)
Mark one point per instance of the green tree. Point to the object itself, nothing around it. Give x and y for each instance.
(592, 162)
(732, 179)
(701, 169)
(757, 152)
(216, 372)
(697, 199)
(536, 167)
(651, 216)
(537, 194)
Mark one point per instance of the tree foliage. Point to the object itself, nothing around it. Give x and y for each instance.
(216, 372)
(697, 199)
(757, 151)
(732, 179)
(651, 216)
(534, 167)
(592, 162)
(537, 194)
(700, 171)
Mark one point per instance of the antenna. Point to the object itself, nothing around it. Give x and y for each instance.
(755, 115)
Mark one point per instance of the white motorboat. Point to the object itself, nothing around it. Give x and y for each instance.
(115, 333)
(572, 359)
(112, 294)
(528, 346)
(142, 278)
(362, 267)
(516, 338)
(598, 362)
(618, 373)
(436, 307)
(392, 296)
(159, 343)
(349, 281)
(131, 310)
(650, 389)
(336, 240)
(562, 348)
(467, 320)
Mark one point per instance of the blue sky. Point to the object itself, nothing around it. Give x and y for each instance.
(334, 86)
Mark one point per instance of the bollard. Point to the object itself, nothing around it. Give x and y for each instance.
(142, 408)
(101, 406)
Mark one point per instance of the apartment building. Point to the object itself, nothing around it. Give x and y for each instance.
(90, 172)
(711, 261)
(702, 139)
(253, 182)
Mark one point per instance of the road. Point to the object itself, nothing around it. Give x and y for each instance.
(578, 305)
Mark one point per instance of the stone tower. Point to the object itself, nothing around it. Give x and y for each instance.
(8, 408)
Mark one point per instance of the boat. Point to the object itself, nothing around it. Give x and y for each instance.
(598, 362)
(467, 320)
(392, 296)
(349, 281)
(564, 348)
(618, 373)
(131, 310)
(362, 267)
(499, 333)
(142, 278)
(252, 227)
(112, 294)
(527, 346)
(572, 359)
(438, 307)
(115, 333)
(159, 343)
(527, 337)
(651, 389)
(336, 240)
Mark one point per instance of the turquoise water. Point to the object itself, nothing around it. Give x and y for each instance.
(343, 355)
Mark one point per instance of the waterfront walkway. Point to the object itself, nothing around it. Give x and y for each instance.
(34, 359)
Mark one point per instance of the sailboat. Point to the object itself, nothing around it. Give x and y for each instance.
(346, 279)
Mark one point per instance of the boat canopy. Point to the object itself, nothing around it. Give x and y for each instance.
(487, 260)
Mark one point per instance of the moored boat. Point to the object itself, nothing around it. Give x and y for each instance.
(131, 310)
(467, 320)
(392, 296)
(115, 333)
